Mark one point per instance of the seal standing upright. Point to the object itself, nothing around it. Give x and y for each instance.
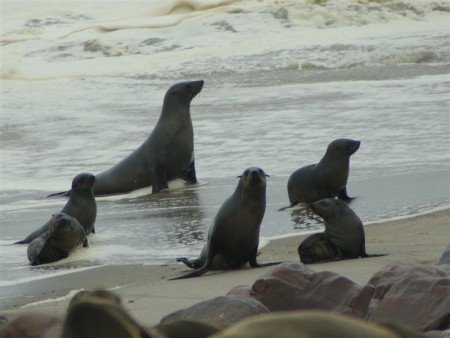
(64, 234)
(167, 154)
(328, 178)
(233, 236)
(80, 205)
(343, 237)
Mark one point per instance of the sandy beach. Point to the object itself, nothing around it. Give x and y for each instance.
(149, 296)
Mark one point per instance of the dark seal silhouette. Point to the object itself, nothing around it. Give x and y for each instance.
(64, 235)
(81, 205)
(233, 236)
(326, 179)
(343, 238)
(167, 154)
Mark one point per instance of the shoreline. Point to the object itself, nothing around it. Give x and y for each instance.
(148, 296)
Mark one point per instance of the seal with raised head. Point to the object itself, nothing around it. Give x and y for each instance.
(80, 205)
(64, 235)
(326, 179)
(233, 236)
(167, 154)
(343, 238)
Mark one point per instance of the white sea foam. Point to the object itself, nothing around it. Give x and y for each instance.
(71, 39)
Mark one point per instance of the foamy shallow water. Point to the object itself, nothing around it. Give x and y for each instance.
(82, 86)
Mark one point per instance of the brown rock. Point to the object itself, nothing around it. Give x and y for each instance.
(417, 296)
(221, 311)
(292, 286)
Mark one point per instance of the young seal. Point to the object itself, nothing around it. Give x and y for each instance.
(64, 235)
(167, 154)
(80, 205)
(233, 236)
(343, 238)
(328, 178)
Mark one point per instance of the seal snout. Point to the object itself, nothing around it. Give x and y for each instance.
(354, 146)
(254, 176)
(195, 87)
(320, 207)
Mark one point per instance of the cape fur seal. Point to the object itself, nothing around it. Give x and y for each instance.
(167, 154)
(312, 324)
(81, 205)
(100, 313)
(343, 237)
(64, 235)
(233, 236)
(328, 178)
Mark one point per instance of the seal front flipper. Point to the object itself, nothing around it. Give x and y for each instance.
(364, 254)
(159, 183)
(254, 264)
(190, 175)
(342, 195)
(286, 207)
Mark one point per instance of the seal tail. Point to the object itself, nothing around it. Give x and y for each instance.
(61, 194)
(204, 269)
(286, 207)
(21, 242)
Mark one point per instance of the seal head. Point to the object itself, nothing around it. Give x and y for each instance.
(64, 235)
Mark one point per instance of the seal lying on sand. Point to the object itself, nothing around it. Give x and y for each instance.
(167, 154)
(233, 236)
(343, 237)
(64, 235)
(328, 178)
(80, 205)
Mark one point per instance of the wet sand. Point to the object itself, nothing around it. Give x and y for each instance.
(149, 296)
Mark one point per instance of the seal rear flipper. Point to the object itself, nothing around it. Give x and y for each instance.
(190, 263)
(342, 195)
(61, 194)
(20, 242)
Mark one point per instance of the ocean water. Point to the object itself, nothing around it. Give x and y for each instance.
(82, 85)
